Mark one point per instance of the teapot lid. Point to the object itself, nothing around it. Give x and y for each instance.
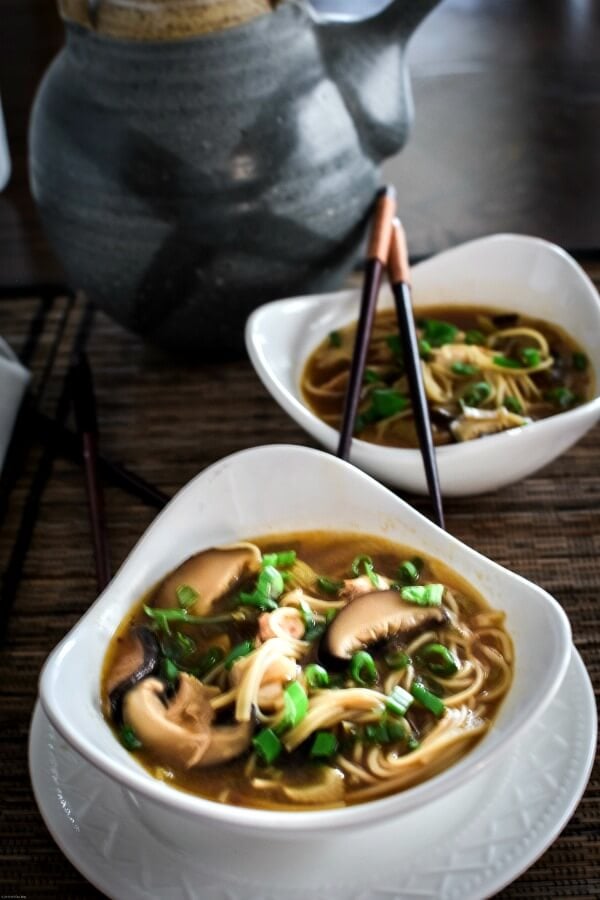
(161, 20)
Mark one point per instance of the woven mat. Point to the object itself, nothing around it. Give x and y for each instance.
(167, 421)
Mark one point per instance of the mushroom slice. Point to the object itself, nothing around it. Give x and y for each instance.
(136, 658)
(475, 423)
(375, 617)
(211, 574)
(180, 731)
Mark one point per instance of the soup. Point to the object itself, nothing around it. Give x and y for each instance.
(305, 671)
(484, 371)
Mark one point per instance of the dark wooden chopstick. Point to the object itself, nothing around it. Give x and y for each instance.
(83, 398)
(400, 280)
(377, 255)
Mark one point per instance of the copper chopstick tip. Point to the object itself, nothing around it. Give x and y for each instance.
(381, 232)
(398, 264)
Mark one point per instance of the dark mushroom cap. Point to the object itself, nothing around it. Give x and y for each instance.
(137, 659)
(376, 617)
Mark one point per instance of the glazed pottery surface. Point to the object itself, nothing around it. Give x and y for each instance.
(188, 173)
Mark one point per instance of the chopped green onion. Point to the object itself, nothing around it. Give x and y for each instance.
(513, 405)
(580, 361)
(295, 707)
(371, 377)
(269, 586)
(169, 669)
(316, 676)
(474, 336)
(387, 402)
(397, 659)
(325, 744)
(267, 745)
(561, 396)
(395, 345)
(409, 571)
(412, 743)
(237, 652)
(477, 394)
(162, 617)
(367, 563)
(335, 339)
(460, 368)
(362, 668)
(399, 701)
(281, 560)
(396, 730)
(423, 594)
(424, 348)
(186, 644)
(506, 362)
(439, 333)
(212, 657)
(313, 628)
(129, 739)
(531, 356)
(377, 734)
(439, 659)
(427, 699)
(329, 585)
(186, 595)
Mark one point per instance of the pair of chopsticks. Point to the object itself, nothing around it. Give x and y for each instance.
(388, 248)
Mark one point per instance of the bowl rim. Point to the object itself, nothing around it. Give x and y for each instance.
(298, 821)
(321, 431)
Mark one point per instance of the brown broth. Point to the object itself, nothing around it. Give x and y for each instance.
(328, 553)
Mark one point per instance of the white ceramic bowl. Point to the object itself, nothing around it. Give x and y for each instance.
(280, 489)
(511, 272)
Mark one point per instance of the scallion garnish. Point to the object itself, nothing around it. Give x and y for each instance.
(465, 369)
(162, 617)
(267, 745)
(439, 659)
(282, 560)
(580, 361)
(185, 643)
(212, 657)
(423, 594)
(129, 739)
(169, 670)
(477, 394)
(399, 701)
(437, 333)
(395, 345)
(371, 377)
(561, 396)
(386, 402)
(269, 586)
(505, 362)
(531, 356)
(325, 744)
(237, 652)
(362, 668)
(513, 405)
(335, 339)
(316, 676)
(186, 595)
(397, 659)
(474, 336)
(427, 699)
(329, 585)
(410, 570)
(367, 564)
(424, 349)
(295, 707)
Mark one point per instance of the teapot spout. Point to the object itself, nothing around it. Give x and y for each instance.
(367, 61)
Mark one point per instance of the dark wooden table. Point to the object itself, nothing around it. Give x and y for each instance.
(506, 137)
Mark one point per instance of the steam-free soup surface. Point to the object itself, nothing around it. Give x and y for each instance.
(326, 670)
(484, 370)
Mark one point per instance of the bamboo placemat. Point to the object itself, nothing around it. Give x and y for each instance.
(167, 420)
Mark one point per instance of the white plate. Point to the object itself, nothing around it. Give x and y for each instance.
(505, 271)
(464, 847)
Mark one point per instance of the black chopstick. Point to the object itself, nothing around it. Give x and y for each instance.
(377, 255)
(83, 398)
(399, 275)
(29, 515)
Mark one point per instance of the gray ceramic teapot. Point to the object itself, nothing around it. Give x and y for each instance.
(192, 160)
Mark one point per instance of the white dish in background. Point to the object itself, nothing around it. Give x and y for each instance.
(494, 828)
(278, 489)
(511, 272)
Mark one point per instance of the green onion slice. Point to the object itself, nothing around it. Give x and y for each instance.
(513, 405)
(506, 362)
(169, 670)
(437, 333)
(397, 659)
(474, 336)
(329, 585)
(580, 361)
(410, 570)
(129, 739)
(186, 595)
(335, 339)
(237, 652)
(325, 744)
(282, 560)
(399, 701)
(371, 377)
(477, 394)
(561, 396)
(424, 348)
(362, 668)
(439, 659)
(460, 368)
(423, 594)
(295, 707)
(316, 676)
(531, 356)
(267, 745)
(162, 617)
(212, 657)
(427, 699)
